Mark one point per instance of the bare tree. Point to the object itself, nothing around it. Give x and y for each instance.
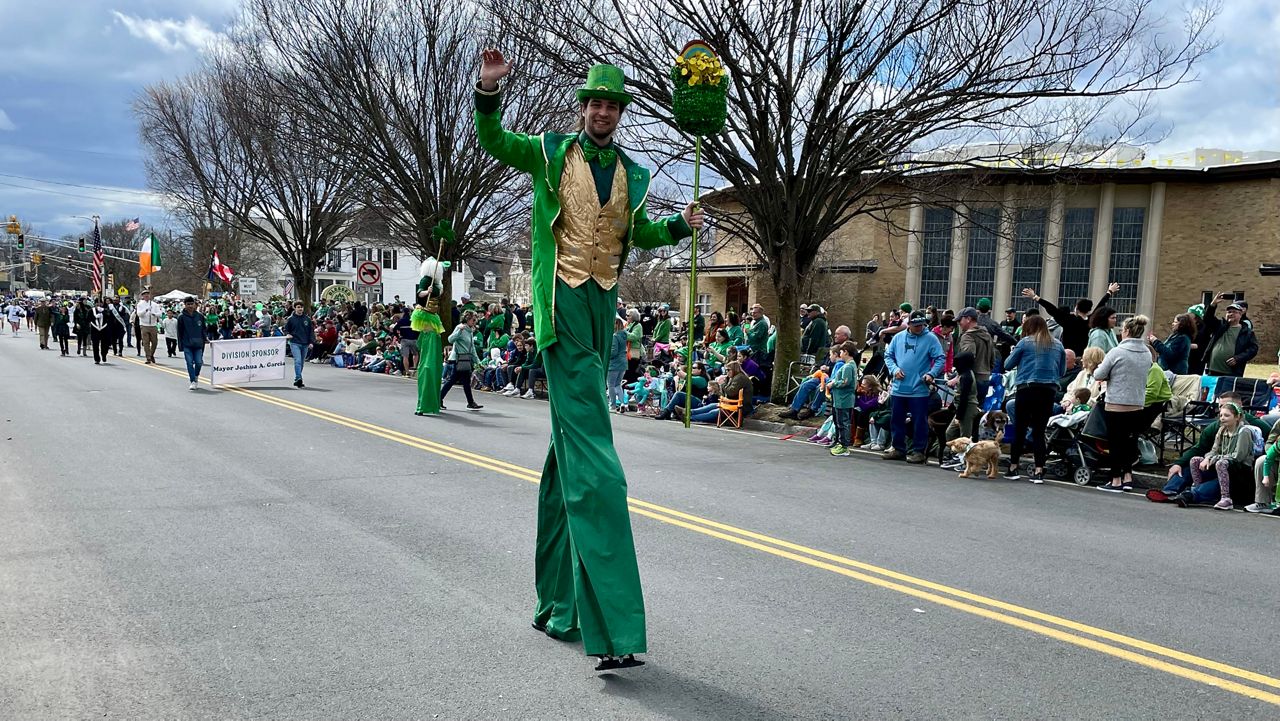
(237, 163)
(388, 84)
(836, 106)
(646, 279)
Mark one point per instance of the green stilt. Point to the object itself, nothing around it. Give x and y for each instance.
(586, 574)
(430, 362)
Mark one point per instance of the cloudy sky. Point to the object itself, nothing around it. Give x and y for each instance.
(69, 70)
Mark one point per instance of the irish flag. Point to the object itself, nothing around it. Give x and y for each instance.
(149, 257)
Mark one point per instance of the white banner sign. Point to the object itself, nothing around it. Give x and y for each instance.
(247, 360)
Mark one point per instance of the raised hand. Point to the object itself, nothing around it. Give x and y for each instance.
(493, 67)
(1028, 293)
(1113, 288)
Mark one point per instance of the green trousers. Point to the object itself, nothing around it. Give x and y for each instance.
(430, 362)
(586, 574)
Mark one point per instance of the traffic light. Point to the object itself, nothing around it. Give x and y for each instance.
(82, 244)
(22, 241)
(14, 227)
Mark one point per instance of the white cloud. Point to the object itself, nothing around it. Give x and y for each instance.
(168, 34)
(5, 122)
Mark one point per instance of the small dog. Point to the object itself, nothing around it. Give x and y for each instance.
(983, 454)
(991, 426)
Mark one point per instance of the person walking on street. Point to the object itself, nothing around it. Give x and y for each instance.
(463, 340)
(191, 338)
(15, 314)
(100, 332)
(61, 328)
(43, 320)
(82, 320)
(300, 331)
(589, 210)
(117, 324)
(171, 333)
(914, 358)
(147, 315)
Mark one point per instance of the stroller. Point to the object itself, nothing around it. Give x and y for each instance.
(1077, 456)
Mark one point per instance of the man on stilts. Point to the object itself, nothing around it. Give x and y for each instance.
(588, 210)
(426, 321)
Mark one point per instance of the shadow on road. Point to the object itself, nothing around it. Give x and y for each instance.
(680, 696)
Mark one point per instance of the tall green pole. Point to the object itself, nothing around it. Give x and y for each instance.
(693, 284)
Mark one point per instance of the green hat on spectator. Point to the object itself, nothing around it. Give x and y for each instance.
(905, 307)
(1197, 310)
(984, 304)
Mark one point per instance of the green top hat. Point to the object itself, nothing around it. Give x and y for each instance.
(606, 82)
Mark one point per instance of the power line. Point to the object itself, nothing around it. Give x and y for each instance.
(76, 185)
(72, 150)
(84, 197)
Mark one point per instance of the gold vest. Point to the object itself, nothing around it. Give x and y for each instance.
(588, 237)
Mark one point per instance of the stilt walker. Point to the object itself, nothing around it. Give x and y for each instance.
(588, 210)
(426, 320)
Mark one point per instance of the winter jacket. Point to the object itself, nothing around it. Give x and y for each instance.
(978, 342)
(1075, 330)
(814, 339)
(916, 356)
(618, 352)
(1246, 341)
(463, 341)
(1175, 353)
(1125, 371)
(1043, 364)
(191, 330)
(1205, 444)
(1103, 338)
(300, 329)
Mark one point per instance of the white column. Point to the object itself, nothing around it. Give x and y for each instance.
(1051, 272)
(1149, 269)
(1101, 259)
(1004, 252)
(959, 257)
(915, 248)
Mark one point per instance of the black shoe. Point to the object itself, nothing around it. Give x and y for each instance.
(611, 663)
(474, 406)
(1013, 471)
(298, 383)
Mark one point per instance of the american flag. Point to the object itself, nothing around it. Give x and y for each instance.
(98, 259)
(132, 225)
(288, 289)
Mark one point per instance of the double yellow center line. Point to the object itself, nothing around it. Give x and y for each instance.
(1150, 655)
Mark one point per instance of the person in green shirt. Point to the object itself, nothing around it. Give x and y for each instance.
(662, 329)
(737, 336)
(843, 385)
(718, 349)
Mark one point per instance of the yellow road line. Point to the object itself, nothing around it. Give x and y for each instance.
(837, 564)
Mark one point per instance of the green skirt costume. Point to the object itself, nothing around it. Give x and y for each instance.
(430, 359)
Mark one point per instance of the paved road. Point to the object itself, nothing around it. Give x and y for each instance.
(323, 553)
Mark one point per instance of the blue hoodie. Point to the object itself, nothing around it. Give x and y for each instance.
(916, 356)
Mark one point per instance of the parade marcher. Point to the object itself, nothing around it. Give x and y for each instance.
(301, 334)
(15, 314)
(171, 333)
(82, 320)
(588, 211)
(43, 317)
(191, 335)
(426, 324)
(147, 315)
(61, 327)
(100, 334)
(117, 324)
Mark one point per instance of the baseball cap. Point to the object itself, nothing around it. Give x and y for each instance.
(918, 318)
(1011, 310)
(1236, 306)
(968, 312)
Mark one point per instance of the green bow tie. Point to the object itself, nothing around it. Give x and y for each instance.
(605, 156)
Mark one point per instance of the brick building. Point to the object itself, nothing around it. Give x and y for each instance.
(1164, 231)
